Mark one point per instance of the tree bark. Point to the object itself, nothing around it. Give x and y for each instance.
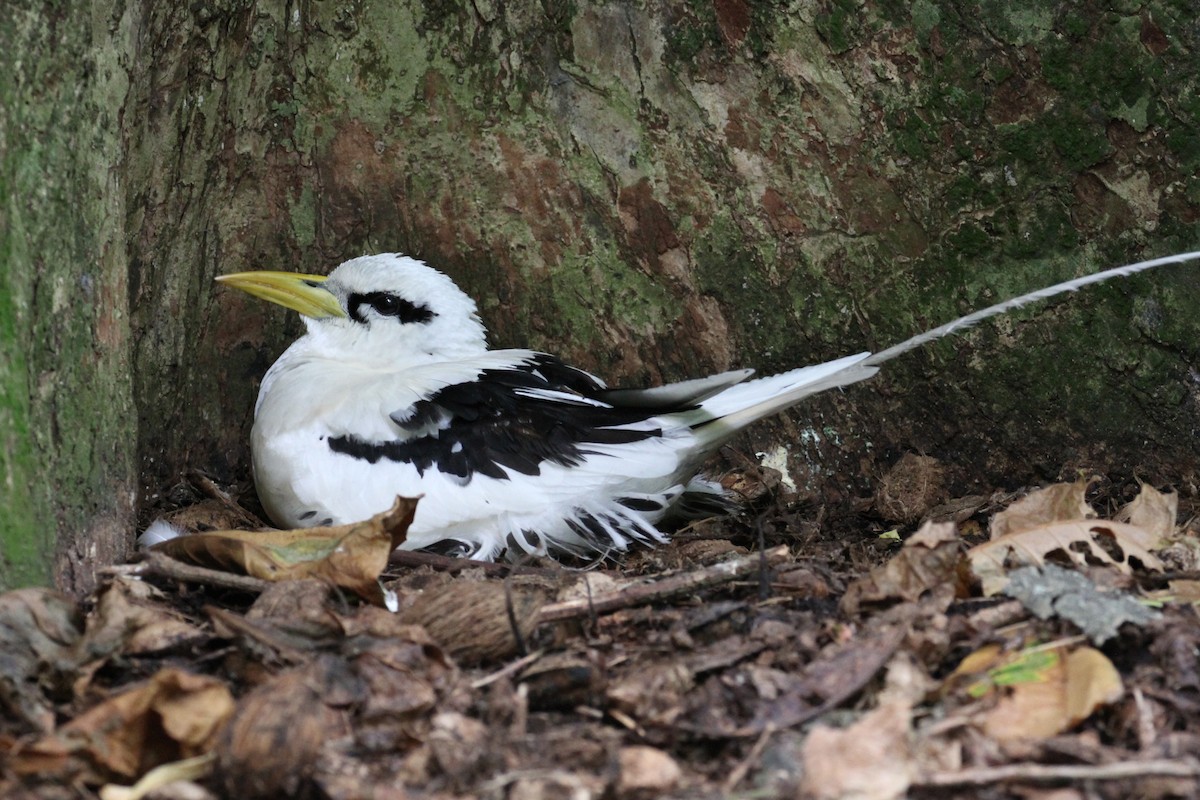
(67, 425)
(653, 190)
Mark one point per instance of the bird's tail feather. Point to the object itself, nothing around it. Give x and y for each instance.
(736, 407)
(740, 405)
(962, 323)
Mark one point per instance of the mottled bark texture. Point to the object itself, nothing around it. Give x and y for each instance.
(655, 190)
(68, 426)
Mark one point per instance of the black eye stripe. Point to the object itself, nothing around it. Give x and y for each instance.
(387, 304)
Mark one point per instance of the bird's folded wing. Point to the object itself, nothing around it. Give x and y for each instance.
(674, 396)
(506, 419)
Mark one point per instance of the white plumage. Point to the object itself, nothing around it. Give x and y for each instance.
(392, 391)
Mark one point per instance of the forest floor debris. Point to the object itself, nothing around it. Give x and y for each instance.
(743, 659)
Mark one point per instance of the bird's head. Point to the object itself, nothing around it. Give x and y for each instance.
(381, 307)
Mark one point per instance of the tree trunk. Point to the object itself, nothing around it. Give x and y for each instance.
(68, 433)
(653, 190)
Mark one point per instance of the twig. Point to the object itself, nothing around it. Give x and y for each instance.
(507, 669)
(1046, 773)
(764, 577)
(739, 772)
(418, 558)
(682, 583)
(167, 567)
(283, 646)
(628, 721)
(1146, 731)
(209, 488)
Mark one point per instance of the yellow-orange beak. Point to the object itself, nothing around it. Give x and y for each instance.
(302, 293)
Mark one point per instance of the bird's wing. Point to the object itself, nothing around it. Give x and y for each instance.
(509, 418)
(675, 396)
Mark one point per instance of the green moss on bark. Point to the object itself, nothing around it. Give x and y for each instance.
(67, 419)
(652, 192)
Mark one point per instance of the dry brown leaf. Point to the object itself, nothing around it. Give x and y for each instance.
(563, 680)
(978, 662)
(124, 735)
(1056, 503)
(401, 681)
(870, 760)
(969, 676)
(213, 514)
(980, 673)
(270, 747)
(1077, 540)
(383, 687)
(928, 561)
(457, 742)
(838, 672)
(130, 618)
(958, 510)
(1154, 512)
(1047, 702)
(1092, 681)
(1034, 710)
(906, 680)
(1181, 591)
(39, 631)
(654, 693)
(351, 556)
(646, 771)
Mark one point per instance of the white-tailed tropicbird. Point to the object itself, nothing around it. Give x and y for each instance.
(393, 391)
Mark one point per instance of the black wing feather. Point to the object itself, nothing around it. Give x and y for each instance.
(488, 424)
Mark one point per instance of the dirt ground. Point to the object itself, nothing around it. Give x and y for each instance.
(1022, 645)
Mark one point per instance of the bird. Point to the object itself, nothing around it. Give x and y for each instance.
(393, 390)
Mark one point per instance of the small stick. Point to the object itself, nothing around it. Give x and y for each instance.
(208, 487)
(682, 583)
(167, 567)
(508, 669)
(764, 577)
(751, 759)
(1045, 773)
(640, 594)
(419, 558)
(593, 617)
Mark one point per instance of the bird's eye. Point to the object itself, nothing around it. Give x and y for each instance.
(386, 304)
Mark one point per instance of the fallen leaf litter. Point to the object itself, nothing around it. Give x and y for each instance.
(703, 669)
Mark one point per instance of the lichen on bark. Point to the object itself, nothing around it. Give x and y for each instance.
(67, 436)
